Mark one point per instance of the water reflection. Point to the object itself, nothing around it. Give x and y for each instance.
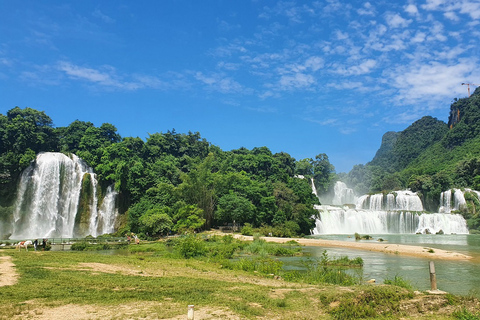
(457, 277)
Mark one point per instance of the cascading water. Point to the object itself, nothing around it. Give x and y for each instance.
(342, 194)
(57, 197)
(459, 202)
(396, 212)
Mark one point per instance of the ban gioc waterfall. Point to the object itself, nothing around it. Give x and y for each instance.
(58, 196)
(395, 212)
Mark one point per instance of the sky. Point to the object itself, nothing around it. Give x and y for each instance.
(302, 77)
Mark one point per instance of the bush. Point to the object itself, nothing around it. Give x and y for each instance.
(247, 230)
(191, 246)
(79, 246)
(370, 302)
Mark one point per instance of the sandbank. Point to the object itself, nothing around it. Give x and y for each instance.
(400, 249)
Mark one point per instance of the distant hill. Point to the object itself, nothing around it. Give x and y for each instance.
(399, 149)
(430, 156)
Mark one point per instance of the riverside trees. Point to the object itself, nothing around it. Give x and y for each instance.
(171, 181)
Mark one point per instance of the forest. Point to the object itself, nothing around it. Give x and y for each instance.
(171, 182)
(176, 182)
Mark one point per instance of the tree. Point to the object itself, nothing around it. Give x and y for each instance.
(234, 208)
(323, 171)
(24, 132)
(71, 136)
(188, 218)
(304, 167)
(156, 222)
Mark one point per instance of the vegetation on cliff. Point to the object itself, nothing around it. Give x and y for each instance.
(429, 157)
(171, 182)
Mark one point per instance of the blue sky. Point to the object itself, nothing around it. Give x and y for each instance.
(296, 76)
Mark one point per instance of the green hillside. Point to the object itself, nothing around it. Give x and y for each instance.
(430, 156)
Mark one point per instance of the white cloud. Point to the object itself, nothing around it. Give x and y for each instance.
(432, 81)
(325, 122)
(6, 62)
(296, 81)
(107, 77)
(471, 8)
(450, 7)
(314, 63)
(451, 15)
(411, 9)
(219, 82)
(88, 74)
(366, 10)
(396, 21)
(99, 14)
(360, 69)
(433, 4)
(419, 37)
(228, 65)
(341, 35)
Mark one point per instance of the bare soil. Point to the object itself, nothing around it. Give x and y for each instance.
(8, 275)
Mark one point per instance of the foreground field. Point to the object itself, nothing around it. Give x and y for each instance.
(151, 281)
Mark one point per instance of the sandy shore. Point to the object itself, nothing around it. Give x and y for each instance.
(385, 247)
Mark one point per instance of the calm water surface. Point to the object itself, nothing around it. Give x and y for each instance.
(457, 277)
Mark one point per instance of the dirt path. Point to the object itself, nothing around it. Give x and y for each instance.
(401, 249)
(8, 275)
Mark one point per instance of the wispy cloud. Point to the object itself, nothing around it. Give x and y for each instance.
(450, 8)
(394, 20)
(105, 77)
(432, 82)
(362, 68)
(219, 82)
(296, 81)
(100, 15)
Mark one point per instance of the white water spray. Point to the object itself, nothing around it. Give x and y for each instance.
(396, 212)
(48, 200)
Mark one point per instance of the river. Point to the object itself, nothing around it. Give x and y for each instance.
(456, 277)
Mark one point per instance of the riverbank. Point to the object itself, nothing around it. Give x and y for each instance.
(152, 283)
(401, 249)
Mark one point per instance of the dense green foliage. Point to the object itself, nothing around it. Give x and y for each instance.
(429, 157)
(171, 182)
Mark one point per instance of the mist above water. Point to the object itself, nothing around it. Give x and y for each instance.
(398, 212)
(58, 196)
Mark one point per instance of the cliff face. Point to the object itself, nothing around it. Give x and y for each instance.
(383, 156)
(398, 149)
(457, 109)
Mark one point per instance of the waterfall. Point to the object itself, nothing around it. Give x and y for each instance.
(57, 197)
(395, 212)
(335, 220)
(105, 222)
(342, 194)
(459, 202)
(395, 201)
(314, 189)
(442, 222)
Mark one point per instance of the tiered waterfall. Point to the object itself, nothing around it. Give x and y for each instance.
(395, 212)
(58, 196)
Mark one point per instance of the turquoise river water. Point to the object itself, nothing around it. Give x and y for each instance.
(457, 277)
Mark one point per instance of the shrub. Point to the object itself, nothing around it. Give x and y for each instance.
(247, 230)
(191, 246)
(79, 246)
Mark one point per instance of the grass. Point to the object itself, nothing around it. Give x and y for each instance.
(399, 282)
(163, 279)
